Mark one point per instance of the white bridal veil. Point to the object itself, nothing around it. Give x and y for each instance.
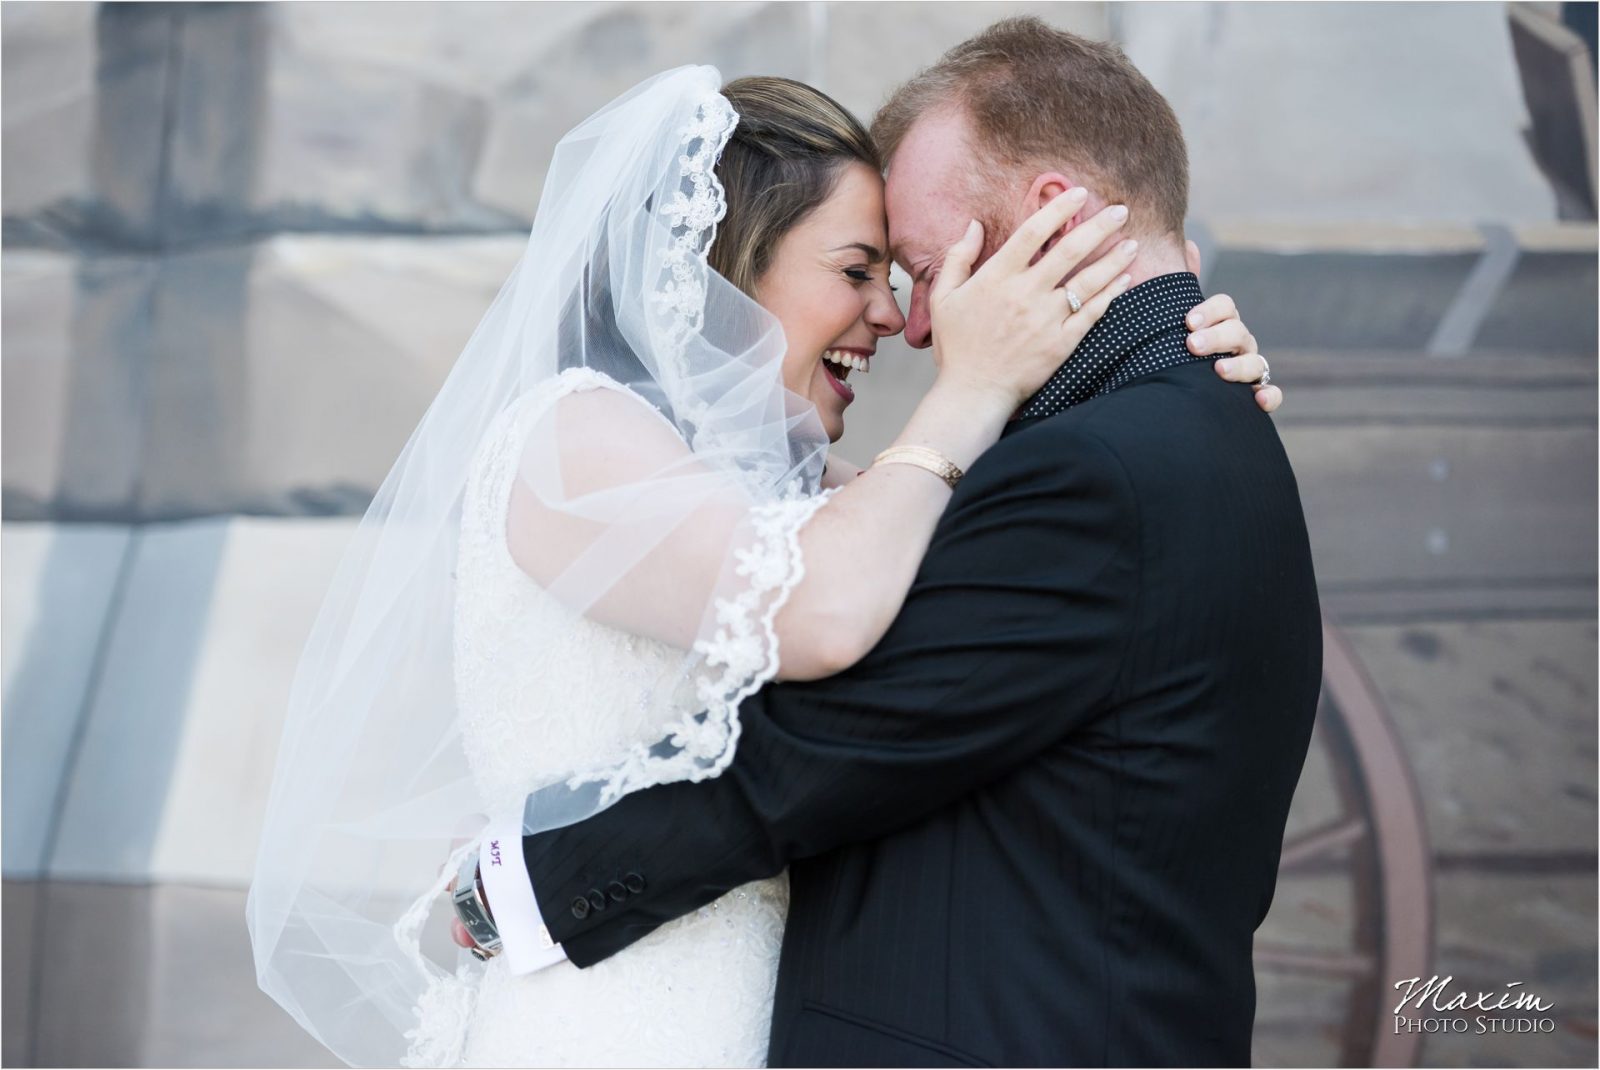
(610, 331)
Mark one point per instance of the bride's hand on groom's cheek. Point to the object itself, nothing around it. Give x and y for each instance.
(1215, 327)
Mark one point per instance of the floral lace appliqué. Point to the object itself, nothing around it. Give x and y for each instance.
(738, 659)
(678, 300)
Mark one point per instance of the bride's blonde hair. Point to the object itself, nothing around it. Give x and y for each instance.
(783, 160)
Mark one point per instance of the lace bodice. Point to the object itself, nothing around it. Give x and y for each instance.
(514, 642)
(698, 990)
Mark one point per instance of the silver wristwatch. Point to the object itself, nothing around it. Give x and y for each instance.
(472, 907)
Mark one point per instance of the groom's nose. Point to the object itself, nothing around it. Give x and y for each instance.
(919, 324)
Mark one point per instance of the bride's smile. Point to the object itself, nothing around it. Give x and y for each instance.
(837, 364)
(828, 285)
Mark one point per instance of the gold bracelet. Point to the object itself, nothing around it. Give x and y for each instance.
(929, 460)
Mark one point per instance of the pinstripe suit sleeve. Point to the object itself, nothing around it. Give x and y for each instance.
(1010, 637)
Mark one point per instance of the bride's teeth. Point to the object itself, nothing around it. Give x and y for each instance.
(852, 361)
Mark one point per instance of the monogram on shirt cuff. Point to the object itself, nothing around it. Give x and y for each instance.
(526, 942)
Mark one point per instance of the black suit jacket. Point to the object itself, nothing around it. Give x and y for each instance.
(1039, 823)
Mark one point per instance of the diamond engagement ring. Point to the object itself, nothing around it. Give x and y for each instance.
(1072, 301)
(1266, 372)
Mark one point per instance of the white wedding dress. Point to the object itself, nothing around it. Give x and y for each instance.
(439, 680)
(698, 990)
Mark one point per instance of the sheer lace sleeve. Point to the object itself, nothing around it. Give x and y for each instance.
(615, 516)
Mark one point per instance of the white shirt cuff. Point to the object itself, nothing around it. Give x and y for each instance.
(526, 943)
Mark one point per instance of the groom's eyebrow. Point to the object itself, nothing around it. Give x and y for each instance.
(872, 252)
(907, 258)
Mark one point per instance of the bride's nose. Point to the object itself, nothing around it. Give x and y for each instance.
(883, 314)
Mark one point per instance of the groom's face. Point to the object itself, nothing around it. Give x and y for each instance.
(931, 195)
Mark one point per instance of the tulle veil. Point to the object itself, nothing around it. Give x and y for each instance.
(373, 782)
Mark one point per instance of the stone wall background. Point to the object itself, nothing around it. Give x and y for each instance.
(245, 242)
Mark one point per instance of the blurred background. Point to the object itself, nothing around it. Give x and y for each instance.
(243, 243)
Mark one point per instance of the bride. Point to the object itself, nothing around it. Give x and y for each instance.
(619, 517)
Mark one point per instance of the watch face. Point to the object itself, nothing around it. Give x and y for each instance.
(468, 900)
(470, 910)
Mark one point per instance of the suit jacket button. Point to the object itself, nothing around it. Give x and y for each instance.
(597, 899)
(580, 908)
(616, 891)
(634, 883)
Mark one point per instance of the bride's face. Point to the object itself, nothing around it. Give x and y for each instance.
(828, 284)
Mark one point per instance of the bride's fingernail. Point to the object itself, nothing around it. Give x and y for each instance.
(1199, 339)
(1194, 319)
(1130, 246)
(1119, 211)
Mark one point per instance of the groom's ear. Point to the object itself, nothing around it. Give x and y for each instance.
(1045, 188)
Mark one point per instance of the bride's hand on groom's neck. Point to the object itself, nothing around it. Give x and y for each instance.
(1215, 329)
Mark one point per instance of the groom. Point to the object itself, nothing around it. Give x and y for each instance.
(1040, 822)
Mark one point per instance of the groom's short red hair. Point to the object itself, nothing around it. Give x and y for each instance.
(1039, 97)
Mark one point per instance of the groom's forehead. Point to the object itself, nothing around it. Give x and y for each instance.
(922, 218)
(928, 186)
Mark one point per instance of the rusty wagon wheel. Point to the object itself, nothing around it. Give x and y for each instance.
(1378, 840)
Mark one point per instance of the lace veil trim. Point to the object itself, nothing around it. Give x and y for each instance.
(738, 659)
(742, 654)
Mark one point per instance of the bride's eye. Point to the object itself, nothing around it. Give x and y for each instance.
(863, 275)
